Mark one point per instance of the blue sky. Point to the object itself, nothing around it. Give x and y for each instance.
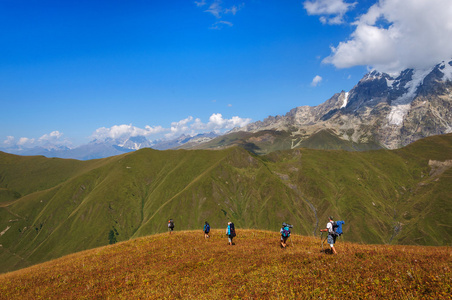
(72, 71)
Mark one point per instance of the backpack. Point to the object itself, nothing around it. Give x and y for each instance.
(207, 228)
(285, 232)
(232, 230)
(337, 228)
(170, 224)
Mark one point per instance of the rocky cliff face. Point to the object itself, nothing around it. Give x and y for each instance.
(391, 111)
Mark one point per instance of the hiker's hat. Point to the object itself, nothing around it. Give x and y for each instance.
(331, 218)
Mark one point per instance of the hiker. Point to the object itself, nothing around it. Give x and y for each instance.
(206, 230)
(331, 234)
(285, 233)
(230, 232)
(170, 225)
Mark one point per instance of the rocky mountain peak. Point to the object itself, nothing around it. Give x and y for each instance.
(391, 110)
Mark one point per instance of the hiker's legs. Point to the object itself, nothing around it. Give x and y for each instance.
(331, 240)
(283, 242)
(333, 249)
(230, 241)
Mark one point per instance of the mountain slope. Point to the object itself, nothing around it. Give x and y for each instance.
(185, 265)
(53, 207)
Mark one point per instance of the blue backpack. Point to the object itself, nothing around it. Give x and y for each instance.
(285, 232)
(337, 228)
(207, 228)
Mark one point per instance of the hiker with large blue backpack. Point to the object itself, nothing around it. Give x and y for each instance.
(230, 232)
(285, 234)
(206, 230)
(334, 230)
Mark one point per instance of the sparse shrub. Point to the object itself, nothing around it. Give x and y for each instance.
(111, 237)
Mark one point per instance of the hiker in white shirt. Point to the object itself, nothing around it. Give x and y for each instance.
(331, 236)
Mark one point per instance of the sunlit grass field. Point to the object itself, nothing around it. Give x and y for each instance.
(186, 265)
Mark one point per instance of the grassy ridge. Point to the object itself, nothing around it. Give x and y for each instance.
(54, 207)
(267, 141)
(185, 265)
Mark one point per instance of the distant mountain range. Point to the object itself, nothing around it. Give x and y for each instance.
(381, 111)
(109, 147)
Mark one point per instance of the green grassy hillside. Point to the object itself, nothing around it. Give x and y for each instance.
(184, 265)
(54, 207)
(267, 141)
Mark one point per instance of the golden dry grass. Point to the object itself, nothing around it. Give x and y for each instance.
(185, 265)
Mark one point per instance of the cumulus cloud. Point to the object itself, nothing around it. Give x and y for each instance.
(53, 139)
(24, 141)
(331, 11)
(317, 79)
(397, 34)
(124, 131)
(216, 123)
(10, 141)
(190, 126)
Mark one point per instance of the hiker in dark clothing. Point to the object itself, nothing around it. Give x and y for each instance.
(331, 235)
(170, 226)
(285, 233)
(206, 230)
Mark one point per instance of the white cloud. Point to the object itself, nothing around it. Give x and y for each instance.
(317, 79)
(200, 3)
(216, 123)
(24, 141)
(234, 9)
(124, 131)
(53, 139)
(181, 127)
(331, 11)
(397, 34)
(189, 126)
(53, 136)
(217, 9)
(9, 141)
(221, 24)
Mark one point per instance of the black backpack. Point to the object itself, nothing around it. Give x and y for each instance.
(232, 230)
(171, 224)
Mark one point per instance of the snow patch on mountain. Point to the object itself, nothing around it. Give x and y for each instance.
(401, 106)
(389, 82)
(446, 69)
(344, 104)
